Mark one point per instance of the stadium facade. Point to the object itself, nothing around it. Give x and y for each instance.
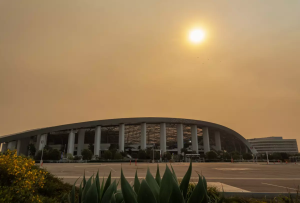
(164, 134)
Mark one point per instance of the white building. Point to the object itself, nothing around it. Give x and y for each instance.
(274, 145)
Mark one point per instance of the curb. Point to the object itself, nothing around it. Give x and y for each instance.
(266, 195)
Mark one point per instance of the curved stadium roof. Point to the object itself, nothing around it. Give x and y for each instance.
(126, 121)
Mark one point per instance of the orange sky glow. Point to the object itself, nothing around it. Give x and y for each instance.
(73, 61)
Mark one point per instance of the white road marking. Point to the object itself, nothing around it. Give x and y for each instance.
(112, 168)
(280, 186)
(225, 187)
(233, 169)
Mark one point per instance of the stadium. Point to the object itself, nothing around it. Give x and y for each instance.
(131, 134)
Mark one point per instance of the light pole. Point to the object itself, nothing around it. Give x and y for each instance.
(267, 158)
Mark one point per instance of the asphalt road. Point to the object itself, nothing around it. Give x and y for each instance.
(230, 177)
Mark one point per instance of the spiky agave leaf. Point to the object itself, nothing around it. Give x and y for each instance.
(145, 194)
(128, 193)
(186, 180)
(174, 175)
(98, 186)
(109, 193)
(165, 190)
(157, 177)
(152, 184)
(91, 195)
(119, 196)
(137, 183)
(107, 184)
(86, 188)
(198, 193)
(102, 188)
(72, 193)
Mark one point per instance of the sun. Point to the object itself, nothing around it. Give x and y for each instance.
(196, 36)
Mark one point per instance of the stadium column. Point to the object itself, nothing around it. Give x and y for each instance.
(218, 141)
(4, 147)
(143, 135)
(97, 141)
(37, 144)
(163, 138)
(81, 134)
(194, 138)
(12, 145)
(179, 137)
(71, 142)
(121, 137)
(43, 141)
(22, 146)
(206, 140)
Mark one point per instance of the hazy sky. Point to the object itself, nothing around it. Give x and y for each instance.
(73, 61)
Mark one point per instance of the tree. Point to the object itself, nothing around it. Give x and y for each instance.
(247, 156)
(284, 155)
(235, 155)
(107, 154)
(226, 155)
(86, 154)
(211, 155)
(118, 155)
(31, 149)
(142, 154)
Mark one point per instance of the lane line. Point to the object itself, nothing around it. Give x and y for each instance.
(280, 186)
(112, 168)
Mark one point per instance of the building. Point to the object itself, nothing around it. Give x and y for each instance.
(274, 145)
(131, 134)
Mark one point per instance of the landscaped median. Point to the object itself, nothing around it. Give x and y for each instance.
(22, 181)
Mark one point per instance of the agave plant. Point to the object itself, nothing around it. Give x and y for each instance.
(149, 190)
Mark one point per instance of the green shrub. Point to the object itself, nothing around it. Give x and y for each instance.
(54, 188)
(211, 155)
(118, 156)
(76, 157)
(142, 154)
(107, 154)
(124, 154)
(247, 156)
(70, 156)
(167, 155)
(54, 154)
(19, 178)
(48, 154)
(86, 154)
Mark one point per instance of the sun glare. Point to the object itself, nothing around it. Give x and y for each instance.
(196, 36)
